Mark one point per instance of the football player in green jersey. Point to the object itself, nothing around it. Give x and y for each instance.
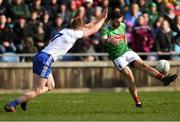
(114, 39)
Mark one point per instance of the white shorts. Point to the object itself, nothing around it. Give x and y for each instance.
(122, 61)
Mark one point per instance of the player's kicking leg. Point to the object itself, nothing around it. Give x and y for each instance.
(131, 85)
(166, 79)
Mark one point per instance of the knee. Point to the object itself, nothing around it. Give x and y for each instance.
(144, 65)
(51, 87)
(131, 79)
(128, 75)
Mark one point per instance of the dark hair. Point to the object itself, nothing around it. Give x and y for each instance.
(116, 14)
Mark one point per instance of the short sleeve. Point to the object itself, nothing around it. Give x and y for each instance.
(78, 34)
(104, 32)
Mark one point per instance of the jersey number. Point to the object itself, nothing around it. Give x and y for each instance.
(56, 36)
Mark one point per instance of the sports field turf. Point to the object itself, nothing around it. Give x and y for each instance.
(97, 106)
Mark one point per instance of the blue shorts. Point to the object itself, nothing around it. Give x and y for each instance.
(42, 64)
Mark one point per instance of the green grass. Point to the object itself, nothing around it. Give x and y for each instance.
(96, 106)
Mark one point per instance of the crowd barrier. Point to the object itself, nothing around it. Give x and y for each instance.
(98, 74)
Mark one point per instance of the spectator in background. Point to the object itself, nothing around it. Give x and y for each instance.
(81, 13)
(165, 40)
(161, 6)
(73, 8)
(170, 16)
(2, 22)
(97, 46)
(6, 46)
(122, 5)
(37, 5)
(143, 40)
(6, 36)
(53, 7)
(88, 4)
(45, 19)
(21, 31)
(79, 2)
(18, 8)
(87, 47)
(153, 13)
(33, 21)
(143, 4)
(97, 12)
(29, 47)
(130, 19)
(63, 10)
(170, 11)
(34, 17)
(146, 18)
(39, 36)
(177, 7)
(105, 3)
(157, 25)
(3, 7)
(5, 30)
(57, 26)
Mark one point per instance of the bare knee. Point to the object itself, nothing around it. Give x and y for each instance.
(130, 78)
(51, 87)
(144, 65)
(139, 64)
(128, 74)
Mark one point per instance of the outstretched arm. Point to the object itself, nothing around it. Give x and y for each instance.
(93, 28)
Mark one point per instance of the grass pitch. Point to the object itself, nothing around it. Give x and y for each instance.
(96, 106)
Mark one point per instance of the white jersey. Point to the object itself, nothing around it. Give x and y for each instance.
(62, 42)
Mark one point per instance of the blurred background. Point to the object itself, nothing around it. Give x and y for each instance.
(26, 26)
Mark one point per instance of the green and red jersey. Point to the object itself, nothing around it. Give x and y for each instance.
(119, 33)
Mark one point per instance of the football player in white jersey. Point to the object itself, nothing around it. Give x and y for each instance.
(59, 45)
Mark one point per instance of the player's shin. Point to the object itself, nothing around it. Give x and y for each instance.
(134, 94)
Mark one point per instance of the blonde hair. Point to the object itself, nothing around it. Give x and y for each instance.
(76, 23)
